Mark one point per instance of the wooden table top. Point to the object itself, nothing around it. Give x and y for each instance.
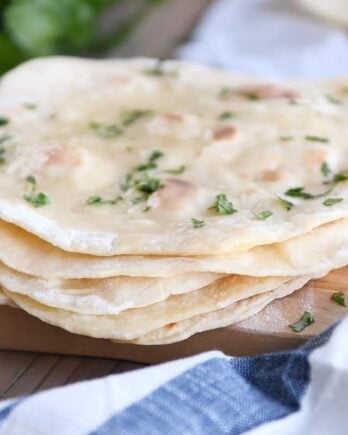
(23, 373)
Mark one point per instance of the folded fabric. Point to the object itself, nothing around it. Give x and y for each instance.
(294, 392)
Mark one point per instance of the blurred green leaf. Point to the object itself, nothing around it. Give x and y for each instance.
(43, 27)
(10, 56)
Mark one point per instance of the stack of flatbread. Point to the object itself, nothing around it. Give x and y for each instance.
(145, 201)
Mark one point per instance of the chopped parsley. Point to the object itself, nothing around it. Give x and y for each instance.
(333, 100)
(106, 130)
(325, 169)
(196, 223)
(148, 184)
(176, 171)
(130, 116)
(306, 320)
(127, 183)
(36, 199)
(299, 192)
(263, 215)
(285, 204)
(147, 208)
(332, 201)
(252, 96)
(223, 205)
(339, 298)
(340, 176)
(2, 155)
(98, 200)
(4, 121)
(320, 139)
(151, 163)
(224, 116)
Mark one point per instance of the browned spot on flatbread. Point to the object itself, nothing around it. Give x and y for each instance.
(270, 175)
(169, 326)
(172, 117)
(224, 132)
(316, 156)
(60, 156)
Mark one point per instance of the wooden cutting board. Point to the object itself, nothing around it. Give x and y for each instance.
(266, 331)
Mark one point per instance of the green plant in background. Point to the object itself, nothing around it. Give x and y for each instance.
(31, 28)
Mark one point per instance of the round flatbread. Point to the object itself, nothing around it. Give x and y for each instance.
(134, 323)
(136, 157)
(103, 296)
(324, 248)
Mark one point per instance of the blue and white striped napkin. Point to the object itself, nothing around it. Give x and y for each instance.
(304, 391)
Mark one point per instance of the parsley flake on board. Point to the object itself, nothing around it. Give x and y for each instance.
(286, 138)
(332, 201)
(299, 192)
(196, 223)
(106, 130)
(339, 298)
(148, 184)
(176, 171)
(224, 116)
(98, 200)
(263, 215)
(223, 205)
(285, 204)
(4, 121)
(129, 117)
(312, 138)
(306, 320)
(325, 169)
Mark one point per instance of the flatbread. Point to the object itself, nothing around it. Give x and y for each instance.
(324, 248)
(4, 300)
(234, 313)
(332, 10)
(80, 126)
(131, 324)
(103, 296)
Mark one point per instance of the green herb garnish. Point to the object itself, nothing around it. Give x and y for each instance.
(223, 205)
(325, 169)
(299, 192)
(130, 116)
(339, 298)
(31, 180)
(147, 208)
(320, 139)
(332, 201)
(2, 155)
(263, 215)
(196, 223)
(36, 199)
(224, 116)
(98, 200)
(4, 121)
(127, 183)
(148, 184)
(306, 320)
(106, 130)
(340, 176)
(285, 204)
(177, 171)
(150, 164)
(252, 96)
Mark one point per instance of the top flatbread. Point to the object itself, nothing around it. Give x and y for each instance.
(79, 127)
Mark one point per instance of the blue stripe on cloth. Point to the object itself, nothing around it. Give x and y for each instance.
(7, 410)
(221, 396)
